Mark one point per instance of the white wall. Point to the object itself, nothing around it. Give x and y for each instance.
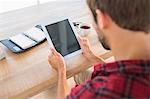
(9, 5)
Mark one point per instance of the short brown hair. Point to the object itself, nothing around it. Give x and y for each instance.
(129, 14)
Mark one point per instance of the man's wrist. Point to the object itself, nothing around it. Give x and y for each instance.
(97, 59)
(61, 72)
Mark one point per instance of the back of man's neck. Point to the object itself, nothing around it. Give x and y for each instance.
(133, 49)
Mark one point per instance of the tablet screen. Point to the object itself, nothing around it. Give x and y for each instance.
(63, 37)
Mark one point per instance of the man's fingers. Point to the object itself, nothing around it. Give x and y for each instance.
(80, 40)
(79, 37)
(50, 54)
(54, 52)
(84, 44)
(85, 40)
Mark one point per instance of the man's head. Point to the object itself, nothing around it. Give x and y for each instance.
(132, 15)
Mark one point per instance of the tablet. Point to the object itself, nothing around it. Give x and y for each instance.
(62, 35)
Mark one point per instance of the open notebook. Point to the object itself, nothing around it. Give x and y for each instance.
(29, 38)
(25, 40)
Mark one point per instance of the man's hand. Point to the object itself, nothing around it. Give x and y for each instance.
(56, 61)
(87, 52)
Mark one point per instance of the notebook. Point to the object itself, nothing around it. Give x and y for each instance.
(35, 34)
(22, 41)
(29, 38)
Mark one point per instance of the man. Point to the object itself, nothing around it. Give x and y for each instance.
(124, 27)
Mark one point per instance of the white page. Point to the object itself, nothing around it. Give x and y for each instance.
(36, 34)
(22, 41)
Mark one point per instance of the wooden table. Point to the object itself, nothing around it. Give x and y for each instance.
(26, 74)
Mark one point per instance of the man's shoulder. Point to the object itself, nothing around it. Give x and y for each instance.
(119, 79)
(97, 86)
(127, 67)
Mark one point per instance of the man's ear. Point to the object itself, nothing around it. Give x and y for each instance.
(102, 19)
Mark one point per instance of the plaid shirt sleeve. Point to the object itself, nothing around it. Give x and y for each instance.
(114, 81)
